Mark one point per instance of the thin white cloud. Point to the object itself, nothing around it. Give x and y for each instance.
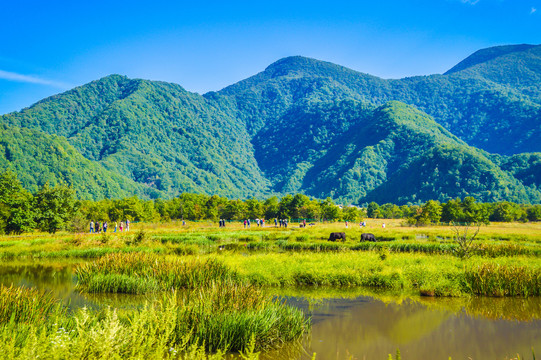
(7, 75)
(470, 2)
(533, 10)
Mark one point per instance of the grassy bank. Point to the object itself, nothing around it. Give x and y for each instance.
(214, 319)
(443, 275)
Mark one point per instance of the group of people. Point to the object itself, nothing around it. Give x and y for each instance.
(261, 223)
(284, 222)
(98, 228)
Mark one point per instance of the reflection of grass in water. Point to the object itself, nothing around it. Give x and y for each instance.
(509, 308)
(415, 324)
(520, 309)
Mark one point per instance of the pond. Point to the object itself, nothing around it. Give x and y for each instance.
(358, 323)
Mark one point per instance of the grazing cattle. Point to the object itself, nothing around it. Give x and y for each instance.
(337, 236)
(368, 237)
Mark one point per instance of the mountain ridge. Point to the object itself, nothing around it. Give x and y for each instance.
(484, 55)
(305, 125)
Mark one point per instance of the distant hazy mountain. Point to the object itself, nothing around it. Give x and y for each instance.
(302, 125)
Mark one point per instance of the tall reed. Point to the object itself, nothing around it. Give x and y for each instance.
(144, 272)
(226, 315)
(23, 305)
(503, 280)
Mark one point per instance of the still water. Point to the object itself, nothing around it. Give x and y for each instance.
(358, 324)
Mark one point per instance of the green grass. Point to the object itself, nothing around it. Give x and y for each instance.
(218, 318)
(137, 273)
(443, 275)
(494, 279)
(23, 305)
(417, 259)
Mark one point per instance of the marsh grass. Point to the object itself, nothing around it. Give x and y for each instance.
(226, 315)
(220, 318)
(498, 239)
(504, 280)
(137, 273)
(24, 305)
(445, 275)
(415, 258)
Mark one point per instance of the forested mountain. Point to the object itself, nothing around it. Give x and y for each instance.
(393, 153)
(497, 113)
(39, 158)
(154, 133)
(516, 66)
(301, 125)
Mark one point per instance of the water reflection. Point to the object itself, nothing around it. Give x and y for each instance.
(59, 278)
(361, 323)
(368, 328)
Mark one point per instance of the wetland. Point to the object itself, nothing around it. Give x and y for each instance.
(336, 300)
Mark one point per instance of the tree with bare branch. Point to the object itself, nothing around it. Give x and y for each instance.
(464, 239)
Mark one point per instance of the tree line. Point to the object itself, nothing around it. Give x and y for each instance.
(54, 208)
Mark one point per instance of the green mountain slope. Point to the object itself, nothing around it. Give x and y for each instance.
(38, 158)
(514, 66)
(524, 167)
(392, 154)
(488, 54)
(302, 125)
(469, 103)
(154, 133)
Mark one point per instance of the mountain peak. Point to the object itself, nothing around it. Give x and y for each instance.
(305, 65)
(488, 54)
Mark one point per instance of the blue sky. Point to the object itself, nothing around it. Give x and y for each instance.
(47, 47)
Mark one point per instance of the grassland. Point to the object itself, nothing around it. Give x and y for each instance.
(504, 261)
(211, 281)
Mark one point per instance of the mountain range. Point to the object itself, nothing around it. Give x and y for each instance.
(301, 125)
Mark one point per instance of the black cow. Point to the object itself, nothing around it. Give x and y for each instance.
(368, 237)
(337, 236)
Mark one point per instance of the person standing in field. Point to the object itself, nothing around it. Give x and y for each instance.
(116, 225)
(91, 226)
(127, 225)
(121, 226)
(105, 226)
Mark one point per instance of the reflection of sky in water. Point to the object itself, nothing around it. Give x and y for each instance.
(366, 327)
